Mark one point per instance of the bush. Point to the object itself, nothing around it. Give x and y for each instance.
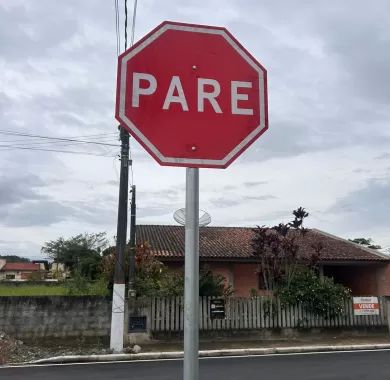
(213, 285)
(320, 296)
(80, 286)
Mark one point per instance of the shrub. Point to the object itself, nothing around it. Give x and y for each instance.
(320, 296)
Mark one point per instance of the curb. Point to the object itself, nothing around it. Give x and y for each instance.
(207, 353)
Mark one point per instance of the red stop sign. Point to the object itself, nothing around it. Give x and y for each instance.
(191, 95)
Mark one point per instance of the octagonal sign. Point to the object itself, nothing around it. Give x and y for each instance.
(191, 95)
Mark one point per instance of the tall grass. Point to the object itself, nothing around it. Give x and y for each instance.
(97, 288)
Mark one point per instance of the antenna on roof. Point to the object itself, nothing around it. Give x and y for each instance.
(180, 217)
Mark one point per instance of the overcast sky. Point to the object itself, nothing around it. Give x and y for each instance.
(327, 148)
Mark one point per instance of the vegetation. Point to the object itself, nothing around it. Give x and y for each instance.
(293, 275)
(32, 290)
(320, 296)
(277, 250)
(285, 270)
(154, 279)
(81, 253)
(14, 259)
(98, 288)
(368, 243)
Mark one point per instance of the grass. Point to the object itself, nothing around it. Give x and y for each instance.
(33, 290)
(97, 288)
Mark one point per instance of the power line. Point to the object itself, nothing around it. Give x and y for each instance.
(54, 150)
(125, 24)
(118, 37)
(55, 138)
(95, 135)
(44, 144)
(133, 23)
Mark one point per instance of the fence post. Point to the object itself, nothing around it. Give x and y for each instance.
(387, 300)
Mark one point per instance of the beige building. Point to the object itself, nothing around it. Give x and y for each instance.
(19, 271)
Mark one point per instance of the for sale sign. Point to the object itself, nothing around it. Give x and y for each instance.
(365, 305)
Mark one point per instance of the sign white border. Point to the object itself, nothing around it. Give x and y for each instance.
(192, 161)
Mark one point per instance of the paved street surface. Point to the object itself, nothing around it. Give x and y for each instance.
(329, 366)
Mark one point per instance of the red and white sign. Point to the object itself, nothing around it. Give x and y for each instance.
(191, 95)
(365, 305)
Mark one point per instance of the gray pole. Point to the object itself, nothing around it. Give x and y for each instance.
(191, 284)
(118, 296)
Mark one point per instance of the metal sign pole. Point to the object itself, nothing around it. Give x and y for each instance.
(191, 274)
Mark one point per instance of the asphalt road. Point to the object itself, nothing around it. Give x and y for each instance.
(338, 366)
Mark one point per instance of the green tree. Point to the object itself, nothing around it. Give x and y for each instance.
(278, 253)
(320, 296)
(211, 284)
(366, 242)
(154, 279)
(14, 259)
(80, 253)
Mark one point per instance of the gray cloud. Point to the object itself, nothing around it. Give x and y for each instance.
(223, 202)
(327, 66)
(258, 197)
(36, 213)
(367, 206)
(255, 183)
(147, 212)
(18, 189)
(383, 156)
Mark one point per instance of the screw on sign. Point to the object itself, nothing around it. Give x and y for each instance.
(192, 95)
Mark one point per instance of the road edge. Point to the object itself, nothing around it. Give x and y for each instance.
(206, 353)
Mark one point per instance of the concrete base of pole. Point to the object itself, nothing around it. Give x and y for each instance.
(117, 317)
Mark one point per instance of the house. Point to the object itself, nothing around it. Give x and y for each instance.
(19, 271)
(58, 271)
(228, 251)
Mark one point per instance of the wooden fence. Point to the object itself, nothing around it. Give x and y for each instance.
(256, 313)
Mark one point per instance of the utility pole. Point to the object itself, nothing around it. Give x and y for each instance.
(132, 248)
(118, 296)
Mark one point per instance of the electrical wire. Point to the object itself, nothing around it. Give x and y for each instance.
(55, 138)
(11, 147)
(125, 24)
(133, 23)
(118, 36)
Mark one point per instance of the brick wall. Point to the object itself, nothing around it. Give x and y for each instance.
(363, 280)
(56, 316)
(223, 269)
(245, 278)
(383, 280)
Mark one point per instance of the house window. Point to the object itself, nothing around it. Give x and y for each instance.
(10, 277)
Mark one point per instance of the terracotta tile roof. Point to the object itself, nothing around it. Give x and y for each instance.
(235, 243)
(20, 267)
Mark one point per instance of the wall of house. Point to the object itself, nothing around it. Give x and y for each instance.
(223, 269)
(241, 276)
(45, 317)
(363, 280)
(16, 274)
(245, 279)
(383, 280)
